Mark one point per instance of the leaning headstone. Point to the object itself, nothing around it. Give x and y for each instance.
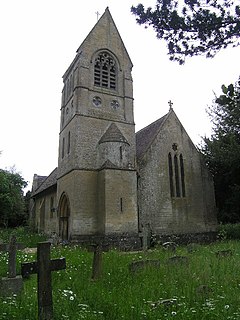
(143, 264)
(97, 262)
(170, 246)
(12, 284)
(178, 260)
(43, 267)
(224, 253)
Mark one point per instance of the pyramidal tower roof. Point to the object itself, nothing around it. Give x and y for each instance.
(113, 134)
(106, 23)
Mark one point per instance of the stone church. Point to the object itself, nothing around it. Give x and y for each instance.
(110, 181)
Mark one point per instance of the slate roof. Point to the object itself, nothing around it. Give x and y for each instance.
(145, 136)
(113, 134)
(49, 181)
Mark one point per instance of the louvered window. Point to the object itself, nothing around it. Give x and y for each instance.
(105, 71)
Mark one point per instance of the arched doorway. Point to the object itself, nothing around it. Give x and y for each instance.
(64, 213)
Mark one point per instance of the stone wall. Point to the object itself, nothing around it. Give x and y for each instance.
(168, 214)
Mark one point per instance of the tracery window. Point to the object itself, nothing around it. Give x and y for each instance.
(105, 71)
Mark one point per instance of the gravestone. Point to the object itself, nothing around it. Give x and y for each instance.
(145, 236)
(178, 260)
(12, 284)
(97, 262)
(54, 239)
(224, 253)
(143, 264)
(170, 246)
(43, 267)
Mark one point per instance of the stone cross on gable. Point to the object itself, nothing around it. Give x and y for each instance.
(43, 267)
(12, 248)
(170, 103)
(98, 14)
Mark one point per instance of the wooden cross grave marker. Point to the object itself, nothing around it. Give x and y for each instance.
(43, 267)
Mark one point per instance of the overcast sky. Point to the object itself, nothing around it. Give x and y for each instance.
(39, 39)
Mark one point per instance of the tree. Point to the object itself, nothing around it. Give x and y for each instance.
(222, 152)
(11, 198)
(193, 27)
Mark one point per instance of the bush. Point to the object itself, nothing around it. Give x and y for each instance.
(229, 231)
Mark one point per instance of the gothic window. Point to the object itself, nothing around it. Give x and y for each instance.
(121, 205)
(51, 207)
(63, 143)
(182, 175)
(121, 153)
(68, 144)
(176, 176)
(170, 169)
(105, 71)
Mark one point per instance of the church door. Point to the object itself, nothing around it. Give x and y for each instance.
(64, 213)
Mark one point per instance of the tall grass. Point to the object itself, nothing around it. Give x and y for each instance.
(207, 287)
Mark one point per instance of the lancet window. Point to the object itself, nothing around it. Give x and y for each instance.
(176, 175)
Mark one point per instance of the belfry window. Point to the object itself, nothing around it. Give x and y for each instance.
(105, 71)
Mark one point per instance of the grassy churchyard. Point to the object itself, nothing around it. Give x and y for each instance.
(204, 283)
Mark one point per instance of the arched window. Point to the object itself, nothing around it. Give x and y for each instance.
(63, 147)
(170, 169)
(105, 71)
(176, 176)
(68, 143)
(52, 209)
(182, 176)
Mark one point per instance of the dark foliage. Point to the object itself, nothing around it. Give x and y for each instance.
(12, 208)
(193, 27)
(222, 152)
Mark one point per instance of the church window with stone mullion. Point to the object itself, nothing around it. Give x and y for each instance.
(176, 176)
(105, 71)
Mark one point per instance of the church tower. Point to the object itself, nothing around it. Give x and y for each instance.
(97, 183)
